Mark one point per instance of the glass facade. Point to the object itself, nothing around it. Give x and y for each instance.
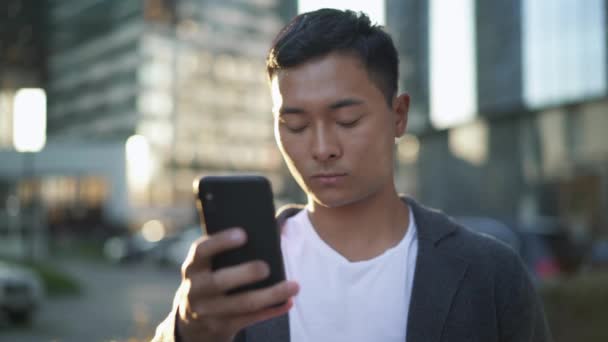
(564, 51)
(204, 101)
(487, 59)
(186, 75)
(92, 68)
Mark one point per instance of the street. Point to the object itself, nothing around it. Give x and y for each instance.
(119, 303)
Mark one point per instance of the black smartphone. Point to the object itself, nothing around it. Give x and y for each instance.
(244, 201)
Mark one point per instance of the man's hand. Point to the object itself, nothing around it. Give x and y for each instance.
(205, 312)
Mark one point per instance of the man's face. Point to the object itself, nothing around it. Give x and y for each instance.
(335, 129)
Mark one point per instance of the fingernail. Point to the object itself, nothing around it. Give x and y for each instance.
(237, 235)
(293, 287)
(264, 269)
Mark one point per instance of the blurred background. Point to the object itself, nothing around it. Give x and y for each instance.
(110, 109)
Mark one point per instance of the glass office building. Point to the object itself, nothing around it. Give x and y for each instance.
(187, 77)
(512, 100)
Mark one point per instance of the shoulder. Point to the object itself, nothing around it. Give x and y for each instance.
(488, 253)
(494, 276)
(450, 237)
(480, 248)
(491, 264)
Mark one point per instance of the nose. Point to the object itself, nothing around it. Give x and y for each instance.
(325, 146)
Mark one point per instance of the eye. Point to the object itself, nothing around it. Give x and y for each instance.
(349, 123)
(293, 125)
(296, 129)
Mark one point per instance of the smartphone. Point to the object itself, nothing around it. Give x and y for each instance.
(244, 201)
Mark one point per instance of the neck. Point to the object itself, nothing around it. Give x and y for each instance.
(363, 229)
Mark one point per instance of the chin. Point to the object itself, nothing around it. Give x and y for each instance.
(332, 201)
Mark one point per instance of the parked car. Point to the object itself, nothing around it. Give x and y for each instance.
(539, 256)
(565, 253)
(130, 248)
(174, 251)
(21, 292)
(597, 257)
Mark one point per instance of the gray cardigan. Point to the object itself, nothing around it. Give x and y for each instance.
(467, 287)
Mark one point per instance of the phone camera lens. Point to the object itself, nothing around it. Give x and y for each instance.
(209, 203)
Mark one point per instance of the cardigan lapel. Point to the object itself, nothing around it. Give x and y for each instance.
(273, 330)
(437, 277)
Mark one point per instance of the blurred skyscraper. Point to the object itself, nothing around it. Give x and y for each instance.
(509, 106)
(185, 76)
(143, 97)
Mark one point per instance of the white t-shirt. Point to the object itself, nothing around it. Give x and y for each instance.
(341, 300)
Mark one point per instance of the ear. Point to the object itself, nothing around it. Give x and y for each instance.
(401, 107)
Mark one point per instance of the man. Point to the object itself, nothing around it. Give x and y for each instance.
(362, 263)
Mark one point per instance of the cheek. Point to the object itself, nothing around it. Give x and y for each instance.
(371, 142)
(290, 148)
(372, 150)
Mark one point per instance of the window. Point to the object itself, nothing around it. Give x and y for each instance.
(453, 87)
(6, 119)
(564, 51)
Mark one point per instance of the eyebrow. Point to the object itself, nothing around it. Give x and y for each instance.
(345, 103)
(333, 106)
(290, 110)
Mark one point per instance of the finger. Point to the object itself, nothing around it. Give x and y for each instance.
(246, 320)
(222, 325)
(248, 302)
(220, 242)
(206, 247)
(222, 280)
(232, 277)
(189, 264)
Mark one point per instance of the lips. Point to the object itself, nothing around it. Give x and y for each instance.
(328, 178)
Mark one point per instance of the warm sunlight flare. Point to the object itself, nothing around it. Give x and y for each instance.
(452, 53)
(29, 120)
(138, 162)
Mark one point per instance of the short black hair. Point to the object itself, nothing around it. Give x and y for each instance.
(316, 34)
